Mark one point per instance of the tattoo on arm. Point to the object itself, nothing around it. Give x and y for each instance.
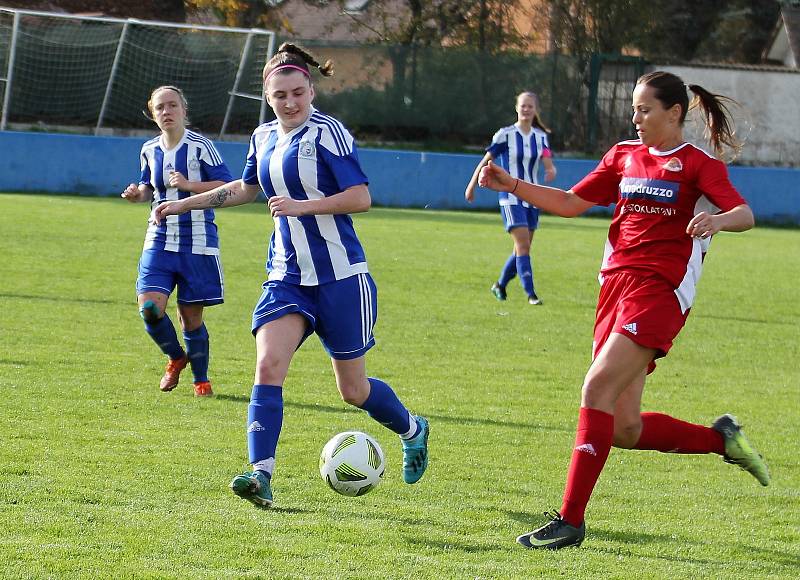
(219, 198)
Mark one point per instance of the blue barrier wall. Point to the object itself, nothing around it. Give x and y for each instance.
(88, 165)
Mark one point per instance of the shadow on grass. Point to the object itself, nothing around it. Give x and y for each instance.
(450, 545)
(78, 300)
(786, 321)
(776, 557)
(531, 521)
(14, 363)
(453, 419)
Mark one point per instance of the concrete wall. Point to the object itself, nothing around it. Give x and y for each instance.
(769, 116)
(40, 162)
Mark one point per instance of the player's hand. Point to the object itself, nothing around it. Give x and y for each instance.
(131, 193)
(702, 226)
(285, 206)
(164, 209)
(549, 174)
(494, 177)
(177, 179)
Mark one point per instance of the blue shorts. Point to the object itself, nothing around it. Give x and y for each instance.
(519, 216)
(198, 277)
(342, 313)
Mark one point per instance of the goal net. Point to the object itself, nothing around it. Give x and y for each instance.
(95, 74)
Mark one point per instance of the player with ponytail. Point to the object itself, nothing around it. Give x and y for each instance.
(306, 162)
(671, 198)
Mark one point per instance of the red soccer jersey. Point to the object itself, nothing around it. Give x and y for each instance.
(657, 193)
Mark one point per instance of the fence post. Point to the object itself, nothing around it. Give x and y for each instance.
(595, 66)
(233, 92)
(111, 76)
(10, 74)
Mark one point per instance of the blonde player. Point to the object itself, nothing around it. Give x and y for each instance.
(183, 251)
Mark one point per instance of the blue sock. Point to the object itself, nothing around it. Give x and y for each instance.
(383, 405)
(508, 272)
(525, 269)
(164, 335)
(197, 348)
(264, 420)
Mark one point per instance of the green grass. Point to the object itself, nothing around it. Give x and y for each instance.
(102, 475)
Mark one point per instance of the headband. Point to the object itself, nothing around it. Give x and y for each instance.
(285, 66)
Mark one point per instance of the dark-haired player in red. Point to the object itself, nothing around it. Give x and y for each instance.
(671, 197)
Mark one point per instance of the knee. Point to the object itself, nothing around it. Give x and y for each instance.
(150, 312)
(352, 394)
(522, 249)
(268, 369)
(596, 394)
(191, 320)
(353, 391)
(626, 432)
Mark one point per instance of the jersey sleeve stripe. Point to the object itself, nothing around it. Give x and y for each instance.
(336, 130)
(216, 158)
(337, 139)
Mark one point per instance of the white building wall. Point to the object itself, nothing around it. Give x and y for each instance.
(770, 109)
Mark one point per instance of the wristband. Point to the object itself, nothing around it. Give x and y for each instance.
(515, 186)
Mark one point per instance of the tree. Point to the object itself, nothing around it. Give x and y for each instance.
(708, 30)
(741, 31)
(238, 13)
(584, 27)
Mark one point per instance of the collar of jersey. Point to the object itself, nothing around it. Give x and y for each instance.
(177, 145)
(654, 151)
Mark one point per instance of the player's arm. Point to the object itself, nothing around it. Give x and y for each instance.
(227, 195)
(738, 219)
(549, 169)
(550, 199)
(469, 192)
(177, 179)
(354, 199)
(137, 193)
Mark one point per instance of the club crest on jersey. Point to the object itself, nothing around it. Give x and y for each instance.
(306, 149)
(673, 164)
(194, 164)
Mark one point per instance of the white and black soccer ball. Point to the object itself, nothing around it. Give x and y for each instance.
(352, 463)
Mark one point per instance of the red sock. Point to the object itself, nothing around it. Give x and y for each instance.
(669, 435)
(592, 444)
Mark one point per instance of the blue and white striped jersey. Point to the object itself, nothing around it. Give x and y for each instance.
(518, 154)
(198, 160)
(315, 160)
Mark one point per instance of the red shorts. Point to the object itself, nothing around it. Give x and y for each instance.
(642, 307)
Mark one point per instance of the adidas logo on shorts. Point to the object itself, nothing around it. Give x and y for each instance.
(630, 327)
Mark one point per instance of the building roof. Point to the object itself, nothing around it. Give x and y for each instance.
(784, 45)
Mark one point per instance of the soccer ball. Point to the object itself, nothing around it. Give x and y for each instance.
(352, 463)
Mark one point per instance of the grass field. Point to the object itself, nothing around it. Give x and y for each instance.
(101, 475)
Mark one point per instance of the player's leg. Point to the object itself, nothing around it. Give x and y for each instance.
(195, 337)
(511, 219)
(276, 342)
(347, 312)
(618, 364)
(660, 432)
(380, 401)
(200, 284)
(154, 284)
(518, 222)
(533, 224)
(282, 319)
